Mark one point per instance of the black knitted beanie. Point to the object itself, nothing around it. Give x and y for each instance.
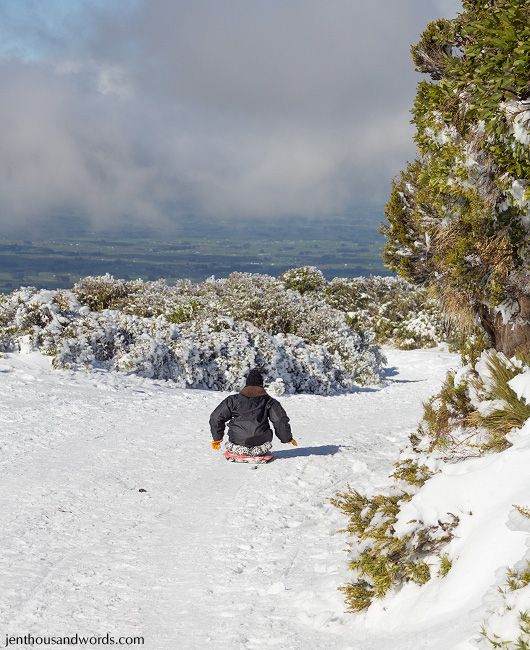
(254, 378)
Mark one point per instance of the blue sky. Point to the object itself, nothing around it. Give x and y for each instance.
(151, 111)
(27, 28)
(36, 29)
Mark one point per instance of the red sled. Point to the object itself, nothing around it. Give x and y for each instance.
(236, 458)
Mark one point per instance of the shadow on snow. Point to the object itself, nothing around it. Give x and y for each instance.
(392, 371)
(324, 450)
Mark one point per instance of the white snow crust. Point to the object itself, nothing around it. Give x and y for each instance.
(521, 386)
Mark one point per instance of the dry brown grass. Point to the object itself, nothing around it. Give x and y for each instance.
(445, 239)
(457, 308)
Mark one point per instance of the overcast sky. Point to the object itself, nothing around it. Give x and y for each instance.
(151, 111)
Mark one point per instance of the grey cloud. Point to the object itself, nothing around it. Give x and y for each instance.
(245, 109)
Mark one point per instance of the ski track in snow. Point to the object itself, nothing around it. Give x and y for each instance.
(213, 555)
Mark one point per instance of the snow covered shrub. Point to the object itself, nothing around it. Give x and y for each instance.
(325, 330)
(411, 472)
(103, 292)
(265, 302)
(471, 344)
(228, 349)
(445, 416)
(472, 415)
(184, 334)
(383, 559)
(177, 303)
(418, 331)
(277, 388)
(475, 410)
(508, 626)
(500, 408)
(184, 313)
(7, 329)
(398, 312)
(303, 279)
(261, 300)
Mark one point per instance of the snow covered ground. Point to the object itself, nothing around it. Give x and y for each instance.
(212, 554)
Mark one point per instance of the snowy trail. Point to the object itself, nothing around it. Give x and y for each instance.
(212, 555)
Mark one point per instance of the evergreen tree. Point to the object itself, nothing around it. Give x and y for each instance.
(458, 217)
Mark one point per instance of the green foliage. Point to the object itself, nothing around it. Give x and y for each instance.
(454, 219)
(420, 572)
(303, 279)
(445, 565)
(512, 413)
(386, 559)
(471, 345)
(398, 312)
(102, 292)
(358, 594)
(184, 313)
(411, 472)
(446, 412)
(496, 40)
(432, 54)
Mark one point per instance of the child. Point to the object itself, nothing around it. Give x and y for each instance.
(248, 414)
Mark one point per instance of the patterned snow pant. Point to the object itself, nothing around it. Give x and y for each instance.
(241, 450)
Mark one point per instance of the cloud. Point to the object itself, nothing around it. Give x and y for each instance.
(160, 110)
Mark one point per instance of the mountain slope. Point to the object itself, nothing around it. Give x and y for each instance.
(213, 554)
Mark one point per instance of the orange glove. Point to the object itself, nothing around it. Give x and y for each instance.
(216, 444)
(293, 442)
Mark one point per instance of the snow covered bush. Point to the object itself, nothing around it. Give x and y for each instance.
(383, 559)
(276, 388)
(318, 336)
(395, 311)
(445, 418)
(303, 279)
(476, 408)
(101, 292)
(475, 413)
(398, 312)
(259, 299)
(507, 624)
(187, 333)
(139, 298)
(500, 408)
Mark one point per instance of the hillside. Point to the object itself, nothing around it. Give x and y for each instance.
(213, 555)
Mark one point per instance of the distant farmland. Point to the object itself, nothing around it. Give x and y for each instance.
(338, 249)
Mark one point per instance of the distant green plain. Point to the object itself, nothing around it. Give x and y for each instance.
(338, 248)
